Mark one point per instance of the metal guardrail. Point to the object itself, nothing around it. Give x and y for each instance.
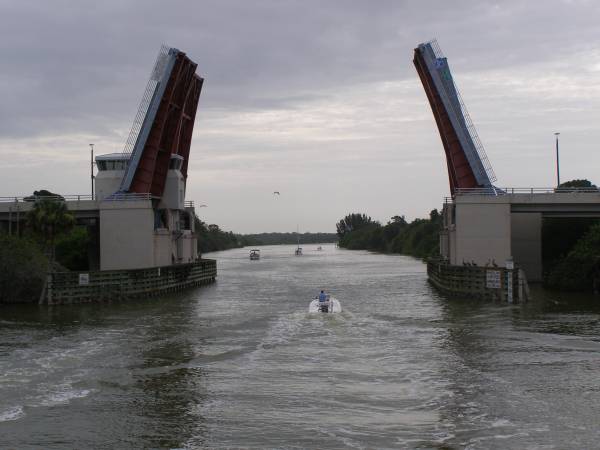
(496, 192)
(188, 204)
(529, 190)
(34, 198)
(155, 78)
(78, 198)
(127, 197)
(462, 111)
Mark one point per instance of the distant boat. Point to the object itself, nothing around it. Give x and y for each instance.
(254, 254)
(319, 248)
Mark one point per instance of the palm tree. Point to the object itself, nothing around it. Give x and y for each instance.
(49, 219)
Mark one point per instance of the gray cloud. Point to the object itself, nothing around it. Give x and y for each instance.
(302, 90)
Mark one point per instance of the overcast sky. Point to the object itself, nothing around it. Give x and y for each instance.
(318, 100)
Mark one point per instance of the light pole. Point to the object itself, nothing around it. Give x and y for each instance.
(92, 168)
(557, 162)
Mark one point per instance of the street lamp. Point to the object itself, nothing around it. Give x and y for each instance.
(92, 168)
(557, 162)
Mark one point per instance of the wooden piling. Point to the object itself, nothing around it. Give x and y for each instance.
(78, 287)
(478, 282)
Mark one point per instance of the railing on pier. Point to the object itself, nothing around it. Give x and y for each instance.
(78, 198)
(525, 190)
(34, 198)
(128, 197)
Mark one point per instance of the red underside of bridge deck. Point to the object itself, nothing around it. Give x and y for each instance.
(171, 131)
(459, 171)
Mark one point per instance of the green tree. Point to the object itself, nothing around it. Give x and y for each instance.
(43, 194)
(398, 220)
(72, 249)
(353, 222)
(49, 219)
(580, 270)
(211, 238)
(420, 238)
(22, 270)
(577, 184)
(287, 238)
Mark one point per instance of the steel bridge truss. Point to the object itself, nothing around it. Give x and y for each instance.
(468, 166)
(164, 123)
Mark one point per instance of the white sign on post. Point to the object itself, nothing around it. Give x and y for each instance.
(84, 279)
(492, 279)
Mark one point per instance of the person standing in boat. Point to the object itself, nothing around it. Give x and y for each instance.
(323, 303)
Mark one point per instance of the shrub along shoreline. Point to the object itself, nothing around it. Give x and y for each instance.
(419, 238)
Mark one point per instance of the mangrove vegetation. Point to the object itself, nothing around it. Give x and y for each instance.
(419, 238)
(290, 238)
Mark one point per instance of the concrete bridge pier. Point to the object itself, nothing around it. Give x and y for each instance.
(490, 227)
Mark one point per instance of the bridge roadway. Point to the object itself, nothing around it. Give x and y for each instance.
(564, 202)
(86, 210)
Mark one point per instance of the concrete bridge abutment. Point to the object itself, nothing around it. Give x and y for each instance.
(484, 227)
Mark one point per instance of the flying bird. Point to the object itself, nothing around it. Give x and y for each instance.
(276, 192)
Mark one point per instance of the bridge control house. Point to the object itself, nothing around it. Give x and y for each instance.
(161, 230)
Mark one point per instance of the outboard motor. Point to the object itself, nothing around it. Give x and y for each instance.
(324, 306)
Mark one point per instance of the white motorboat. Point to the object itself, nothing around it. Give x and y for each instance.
(254, 254)
(331, 305)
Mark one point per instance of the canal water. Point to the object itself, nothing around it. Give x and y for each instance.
(241, 364)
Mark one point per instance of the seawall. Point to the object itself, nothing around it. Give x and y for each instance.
(493, 283)
(78, 287)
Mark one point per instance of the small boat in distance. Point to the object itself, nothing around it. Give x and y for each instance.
(329, 306)
(254, 254)
(298, 251)
(319, 248)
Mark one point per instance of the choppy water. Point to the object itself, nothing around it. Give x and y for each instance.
(241, 364)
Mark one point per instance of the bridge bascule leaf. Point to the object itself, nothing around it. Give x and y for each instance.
(163, 125)
(468, 165)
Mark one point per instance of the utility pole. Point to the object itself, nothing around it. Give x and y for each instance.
(92, 168)
(557, 162)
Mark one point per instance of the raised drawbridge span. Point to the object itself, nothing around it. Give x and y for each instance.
(468, 166)
(163, 125)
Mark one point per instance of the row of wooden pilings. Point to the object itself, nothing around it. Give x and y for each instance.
(494, 283)
(79, 287)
